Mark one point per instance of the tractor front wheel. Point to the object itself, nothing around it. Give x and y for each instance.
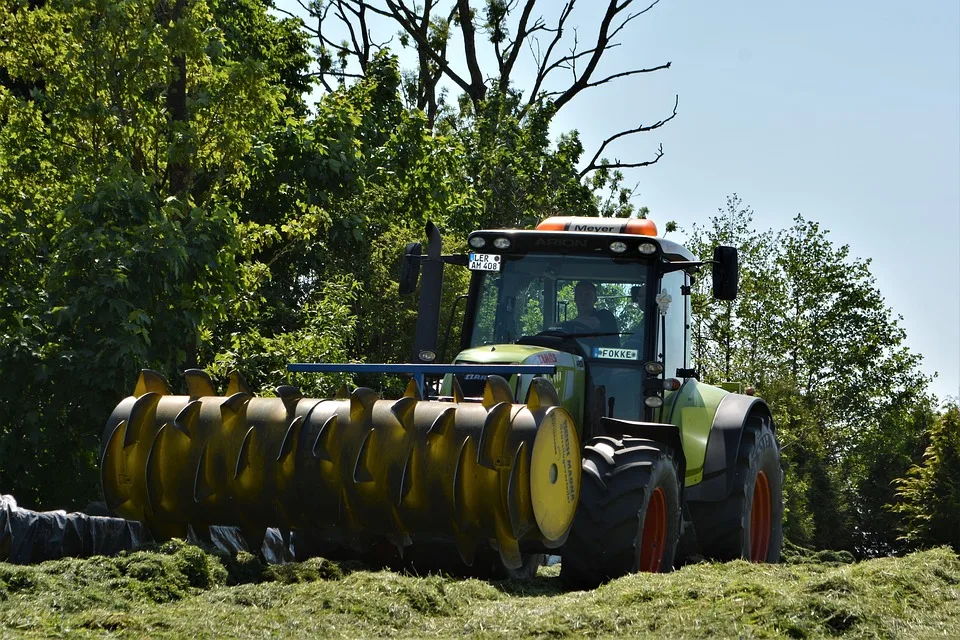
(628, 518)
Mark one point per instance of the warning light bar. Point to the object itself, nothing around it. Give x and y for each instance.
(633, 226)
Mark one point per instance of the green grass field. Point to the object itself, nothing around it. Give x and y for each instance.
(180, 591)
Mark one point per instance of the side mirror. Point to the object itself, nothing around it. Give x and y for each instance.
(410, 268)
(636, 294)
(726, 273)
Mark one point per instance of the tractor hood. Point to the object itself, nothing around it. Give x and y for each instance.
(568, 380)
(506, 354)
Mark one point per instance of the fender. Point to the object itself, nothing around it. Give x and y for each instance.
(667, 434)
(720, 464)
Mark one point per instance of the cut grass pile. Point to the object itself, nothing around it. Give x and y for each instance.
(181, 591)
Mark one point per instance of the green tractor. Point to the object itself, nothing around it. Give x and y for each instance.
(570, 423)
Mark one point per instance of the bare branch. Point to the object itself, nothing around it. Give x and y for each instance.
(573, 59)
(362, 51)
(335, 74)
(617, 164)
(326, 85)
(288, 13)
(603, 39)
(570, 61)
(424, 91)
(306, 7)
(435, 74)
(370, 7)
(477, 89)
(404, 16)
(594, 164)
(361, 40)
(418, 21)
(626, 21)
(512, 50)
(624, 74)
(542, 68)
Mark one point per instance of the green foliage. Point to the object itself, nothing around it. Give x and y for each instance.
(874, 464)
(124, 283)
(119, 242)
(509, 162)
(280, 46)
(327, 324)
(331, 202)
(930, 493)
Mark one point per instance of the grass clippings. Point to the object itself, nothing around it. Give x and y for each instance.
(178, 591)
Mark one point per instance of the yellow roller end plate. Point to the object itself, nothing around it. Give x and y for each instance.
(555, 473)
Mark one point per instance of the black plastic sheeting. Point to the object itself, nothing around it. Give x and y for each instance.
(27, 537)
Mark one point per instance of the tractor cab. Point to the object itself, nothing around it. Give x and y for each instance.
(592, 307)
(607, 292)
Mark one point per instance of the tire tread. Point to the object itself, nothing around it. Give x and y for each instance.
(601, 544)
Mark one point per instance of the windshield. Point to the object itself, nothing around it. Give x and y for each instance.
(593, 299)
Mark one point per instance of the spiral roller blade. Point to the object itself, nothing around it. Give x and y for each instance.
(494, 472)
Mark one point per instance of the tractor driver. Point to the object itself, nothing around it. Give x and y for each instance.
(598, 320)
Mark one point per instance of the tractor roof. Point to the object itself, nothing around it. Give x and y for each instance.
(579, 242)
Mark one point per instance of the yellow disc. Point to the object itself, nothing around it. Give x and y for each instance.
(555, 473)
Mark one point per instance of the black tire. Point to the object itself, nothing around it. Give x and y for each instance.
(734, 528)
(624, 480)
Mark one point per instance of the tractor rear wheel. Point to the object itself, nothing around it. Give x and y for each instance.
(749, 523)
(628, 518)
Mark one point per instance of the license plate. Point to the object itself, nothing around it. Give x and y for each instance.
(484, 262)
(615, 354)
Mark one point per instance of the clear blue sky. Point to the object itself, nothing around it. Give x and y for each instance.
(845, 112)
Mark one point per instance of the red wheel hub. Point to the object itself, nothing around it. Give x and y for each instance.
(653, 538)
(761, 518)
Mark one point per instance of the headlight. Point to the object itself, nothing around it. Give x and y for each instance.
(478, 242)
(653, 367)
(502, 243)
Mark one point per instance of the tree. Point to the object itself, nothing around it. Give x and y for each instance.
(249, 32)
(875, 463)
(930, 492)
(732, 339)
(502, 31)
(119, 242)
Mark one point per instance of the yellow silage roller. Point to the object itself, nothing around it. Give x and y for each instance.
(476, 473)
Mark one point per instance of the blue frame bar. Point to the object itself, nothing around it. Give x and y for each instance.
(427, 369)
(419, 371)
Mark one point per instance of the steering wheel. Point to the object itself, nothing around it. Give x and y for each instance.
(566, 328)
(576, 326)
